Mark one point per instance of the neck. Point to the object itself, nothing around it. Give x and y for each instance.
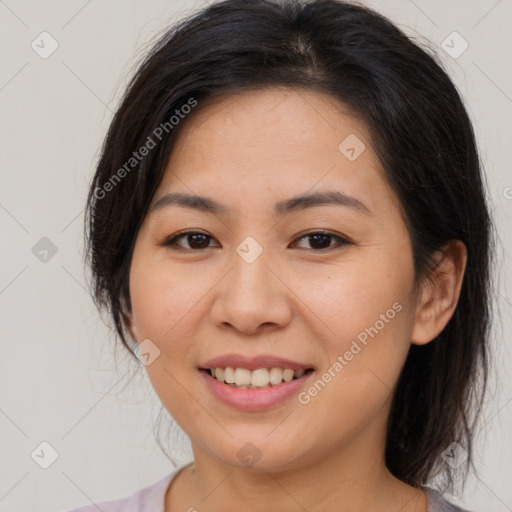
(351, 480)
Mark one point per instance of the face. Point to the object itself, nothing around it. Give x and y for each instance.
(322, 284)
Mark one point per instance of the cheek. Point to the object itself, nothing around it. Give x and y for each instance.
(168, 301)
(155, 291)
(368, 313)
(358, 297)
(153, 298)
(166, 305)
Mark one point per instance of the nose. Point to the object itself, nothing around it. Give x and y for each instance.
(252, 298)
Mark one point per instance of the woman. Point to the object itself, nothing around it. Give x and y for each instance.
(279, 222)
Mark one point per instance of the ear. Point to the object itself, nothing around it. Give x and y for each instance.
(439, 294)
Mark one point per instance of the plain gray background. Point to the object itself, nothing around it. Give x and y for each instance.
(61, 379)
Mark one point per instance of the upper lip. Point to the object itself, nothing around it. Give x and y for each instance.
(253, 363)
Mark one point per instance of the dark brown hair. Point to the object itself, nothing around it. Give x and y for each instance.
(419, 129)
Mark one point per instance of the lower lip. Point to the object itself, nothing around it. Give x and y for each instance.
(254, 399)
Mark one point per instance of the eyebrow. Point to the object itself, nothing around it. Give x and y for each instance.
(293, 204)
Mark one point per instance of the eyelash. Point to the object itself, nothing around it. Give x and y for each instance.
(172, 241)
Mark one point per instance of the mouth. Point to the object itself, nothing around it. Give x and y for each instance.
(258, 378)
(252, 385)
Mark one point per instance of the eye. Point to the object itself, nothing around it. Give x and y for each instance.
(194, 239)
(321, 240)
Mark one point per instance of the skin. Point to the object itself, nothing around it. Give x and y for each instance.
(249, 151)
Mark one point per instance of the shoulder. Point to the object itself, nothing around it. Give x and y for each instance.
(436, 502)
(150, 498)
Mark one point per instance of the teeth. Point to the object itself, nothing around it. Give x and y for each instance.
(219, 373)
(260, 378)
(242, 377)
(288, 375)
(229, 376)
(276, 376)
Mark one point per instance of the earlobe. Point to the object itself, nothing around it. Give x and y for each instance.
(440, 293)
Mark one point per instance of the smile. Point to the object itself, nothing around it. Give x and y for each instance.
(244, 378)
(250, 398)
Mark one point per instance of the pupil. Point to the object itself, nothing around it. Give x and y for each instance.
(202, 243)
(320, 237)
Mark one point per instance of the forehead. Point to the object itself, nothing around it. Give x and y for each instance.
(275, 141)
(281, 120)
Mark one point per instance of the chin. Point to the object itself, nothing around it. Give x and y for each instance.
(260, 454)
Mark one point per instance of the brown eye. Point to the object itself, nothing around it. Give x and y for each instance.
(321, 241)
(194, 240)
